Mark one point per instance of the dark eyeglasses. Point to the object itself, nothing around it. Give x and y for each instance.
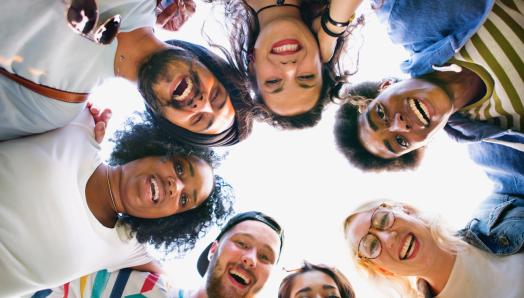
(382, 219)
(82, 17)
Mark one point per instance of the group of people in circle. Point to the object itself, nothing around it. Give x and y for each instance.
(71, 222)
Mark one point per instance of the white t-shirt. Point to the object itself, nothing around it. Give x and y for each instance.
(37, 44)
(48, 235)
(478, 274)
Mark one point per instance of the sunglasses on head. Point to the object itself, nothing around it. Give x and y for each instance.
(82, 17)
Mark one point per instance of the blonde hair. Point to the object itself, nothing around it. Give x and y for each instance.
(402, 285)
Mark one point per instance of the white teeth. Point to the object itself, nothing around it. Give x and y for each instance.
(188, 90)
(286, 48)
(156, 192)
(413, 105)
(241, 275)
(404, 251)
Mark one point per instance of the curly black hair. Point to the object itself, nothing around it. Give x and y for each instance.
(344, 286)
(141, 138)
(349, 144)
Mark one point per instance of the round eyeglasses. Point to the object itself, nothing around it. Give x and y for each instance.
(382, 219)
(82, 17)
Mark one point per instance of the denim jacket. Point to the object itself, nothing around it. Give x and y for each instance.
(498, 224)
(431, 31)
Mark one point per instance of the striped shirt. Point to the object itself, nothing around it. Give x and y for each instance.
(495, 53)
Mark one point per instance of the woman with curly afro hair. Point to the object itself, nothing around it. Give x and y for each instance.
(69, 214)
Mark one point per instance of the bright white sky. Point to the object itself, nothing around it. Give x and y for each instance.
(300, 178)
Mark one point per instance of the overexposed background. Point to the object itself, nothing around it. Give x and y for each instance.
(300, 178)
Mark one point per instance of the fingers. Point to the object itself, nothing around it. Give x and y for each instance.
(100, 131)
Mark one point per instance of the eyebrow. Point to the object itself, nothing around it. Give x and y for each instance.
(389, 147)
(192, 172)
(304, 290)
(370, 121)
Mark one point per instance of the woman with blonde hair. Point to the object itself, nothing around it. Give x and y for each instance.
(393, 241)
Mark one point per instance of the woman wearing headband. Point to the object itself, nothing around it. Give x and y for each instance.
(275, 47)
(315, 281)
(65, 213)
(392, 241)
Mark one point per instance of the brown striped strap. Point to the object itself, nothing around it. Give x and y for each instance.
(46, 91)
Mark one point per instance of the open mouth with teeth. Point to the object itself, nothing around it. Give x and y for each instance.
(408, 248)
(183, 89)
(155, 193)
(241, 278)
(286, 47)
(420, 110)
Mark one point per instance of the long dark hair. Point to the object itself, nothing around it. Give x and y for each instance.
(141, 138)
(243, 29)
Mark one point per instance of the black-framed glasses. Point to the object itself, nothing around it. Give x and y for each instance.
(82, 17)
(369, 246)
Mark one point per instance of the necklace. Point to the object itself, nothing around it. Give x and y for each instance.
(279, 4)
(110, 191)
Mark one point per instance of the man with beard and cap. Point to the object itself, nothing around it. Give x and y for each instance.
(236, 264)
(48, 66)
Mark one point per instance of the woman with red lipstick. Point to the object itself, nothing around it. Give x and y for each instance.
(274, 45)
(392, 241)
(66, 214)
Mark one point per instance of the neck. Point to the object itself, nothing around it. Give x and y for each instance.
(133, 48)
(266, 16)
(438, 275)
(466, 87)
(98, 196)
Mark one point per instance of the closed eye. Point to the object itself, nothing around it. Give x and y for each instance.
(307, 77)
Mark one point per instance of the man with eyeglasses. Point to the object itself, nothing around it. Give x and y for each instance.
(52, 55)
(237, 264)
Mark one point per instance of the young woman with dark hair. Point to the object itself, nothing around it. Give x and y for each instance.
(315, 281)
(275, 46)
(66, 214)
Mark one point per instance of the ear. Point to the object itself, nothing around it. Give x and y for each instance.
(212, 249)
(385, 84)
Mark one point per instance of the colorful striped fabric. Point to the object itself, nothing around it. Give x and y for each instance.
(496, 54)
(123, 283)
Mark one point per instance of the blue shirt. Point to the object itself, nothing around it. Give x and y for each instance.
(431, 31)
(498, 223)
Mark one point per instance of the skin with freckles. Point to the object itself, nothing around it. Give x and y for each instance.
(249, 250)
(182, 183)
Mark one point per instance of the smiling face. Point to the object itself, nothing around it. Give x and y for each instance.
(187, 93)
(242, 260)
(287, 67)
(314, 284)
(404, 117)
(394, 239)
(154, 187)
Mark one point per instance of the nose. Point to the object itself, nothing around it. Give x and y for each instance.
(202, 104)
(174, 186)
(399, 123)
(388, 238)
(249, 258)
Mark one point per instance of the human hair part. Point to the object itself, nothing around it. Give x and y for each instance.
(444, 237)
(343, 284)
(347, 139)
(179, 232)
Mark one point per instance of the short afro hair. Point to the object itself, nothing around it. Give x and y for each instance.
(139, 139)
(349, 144)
